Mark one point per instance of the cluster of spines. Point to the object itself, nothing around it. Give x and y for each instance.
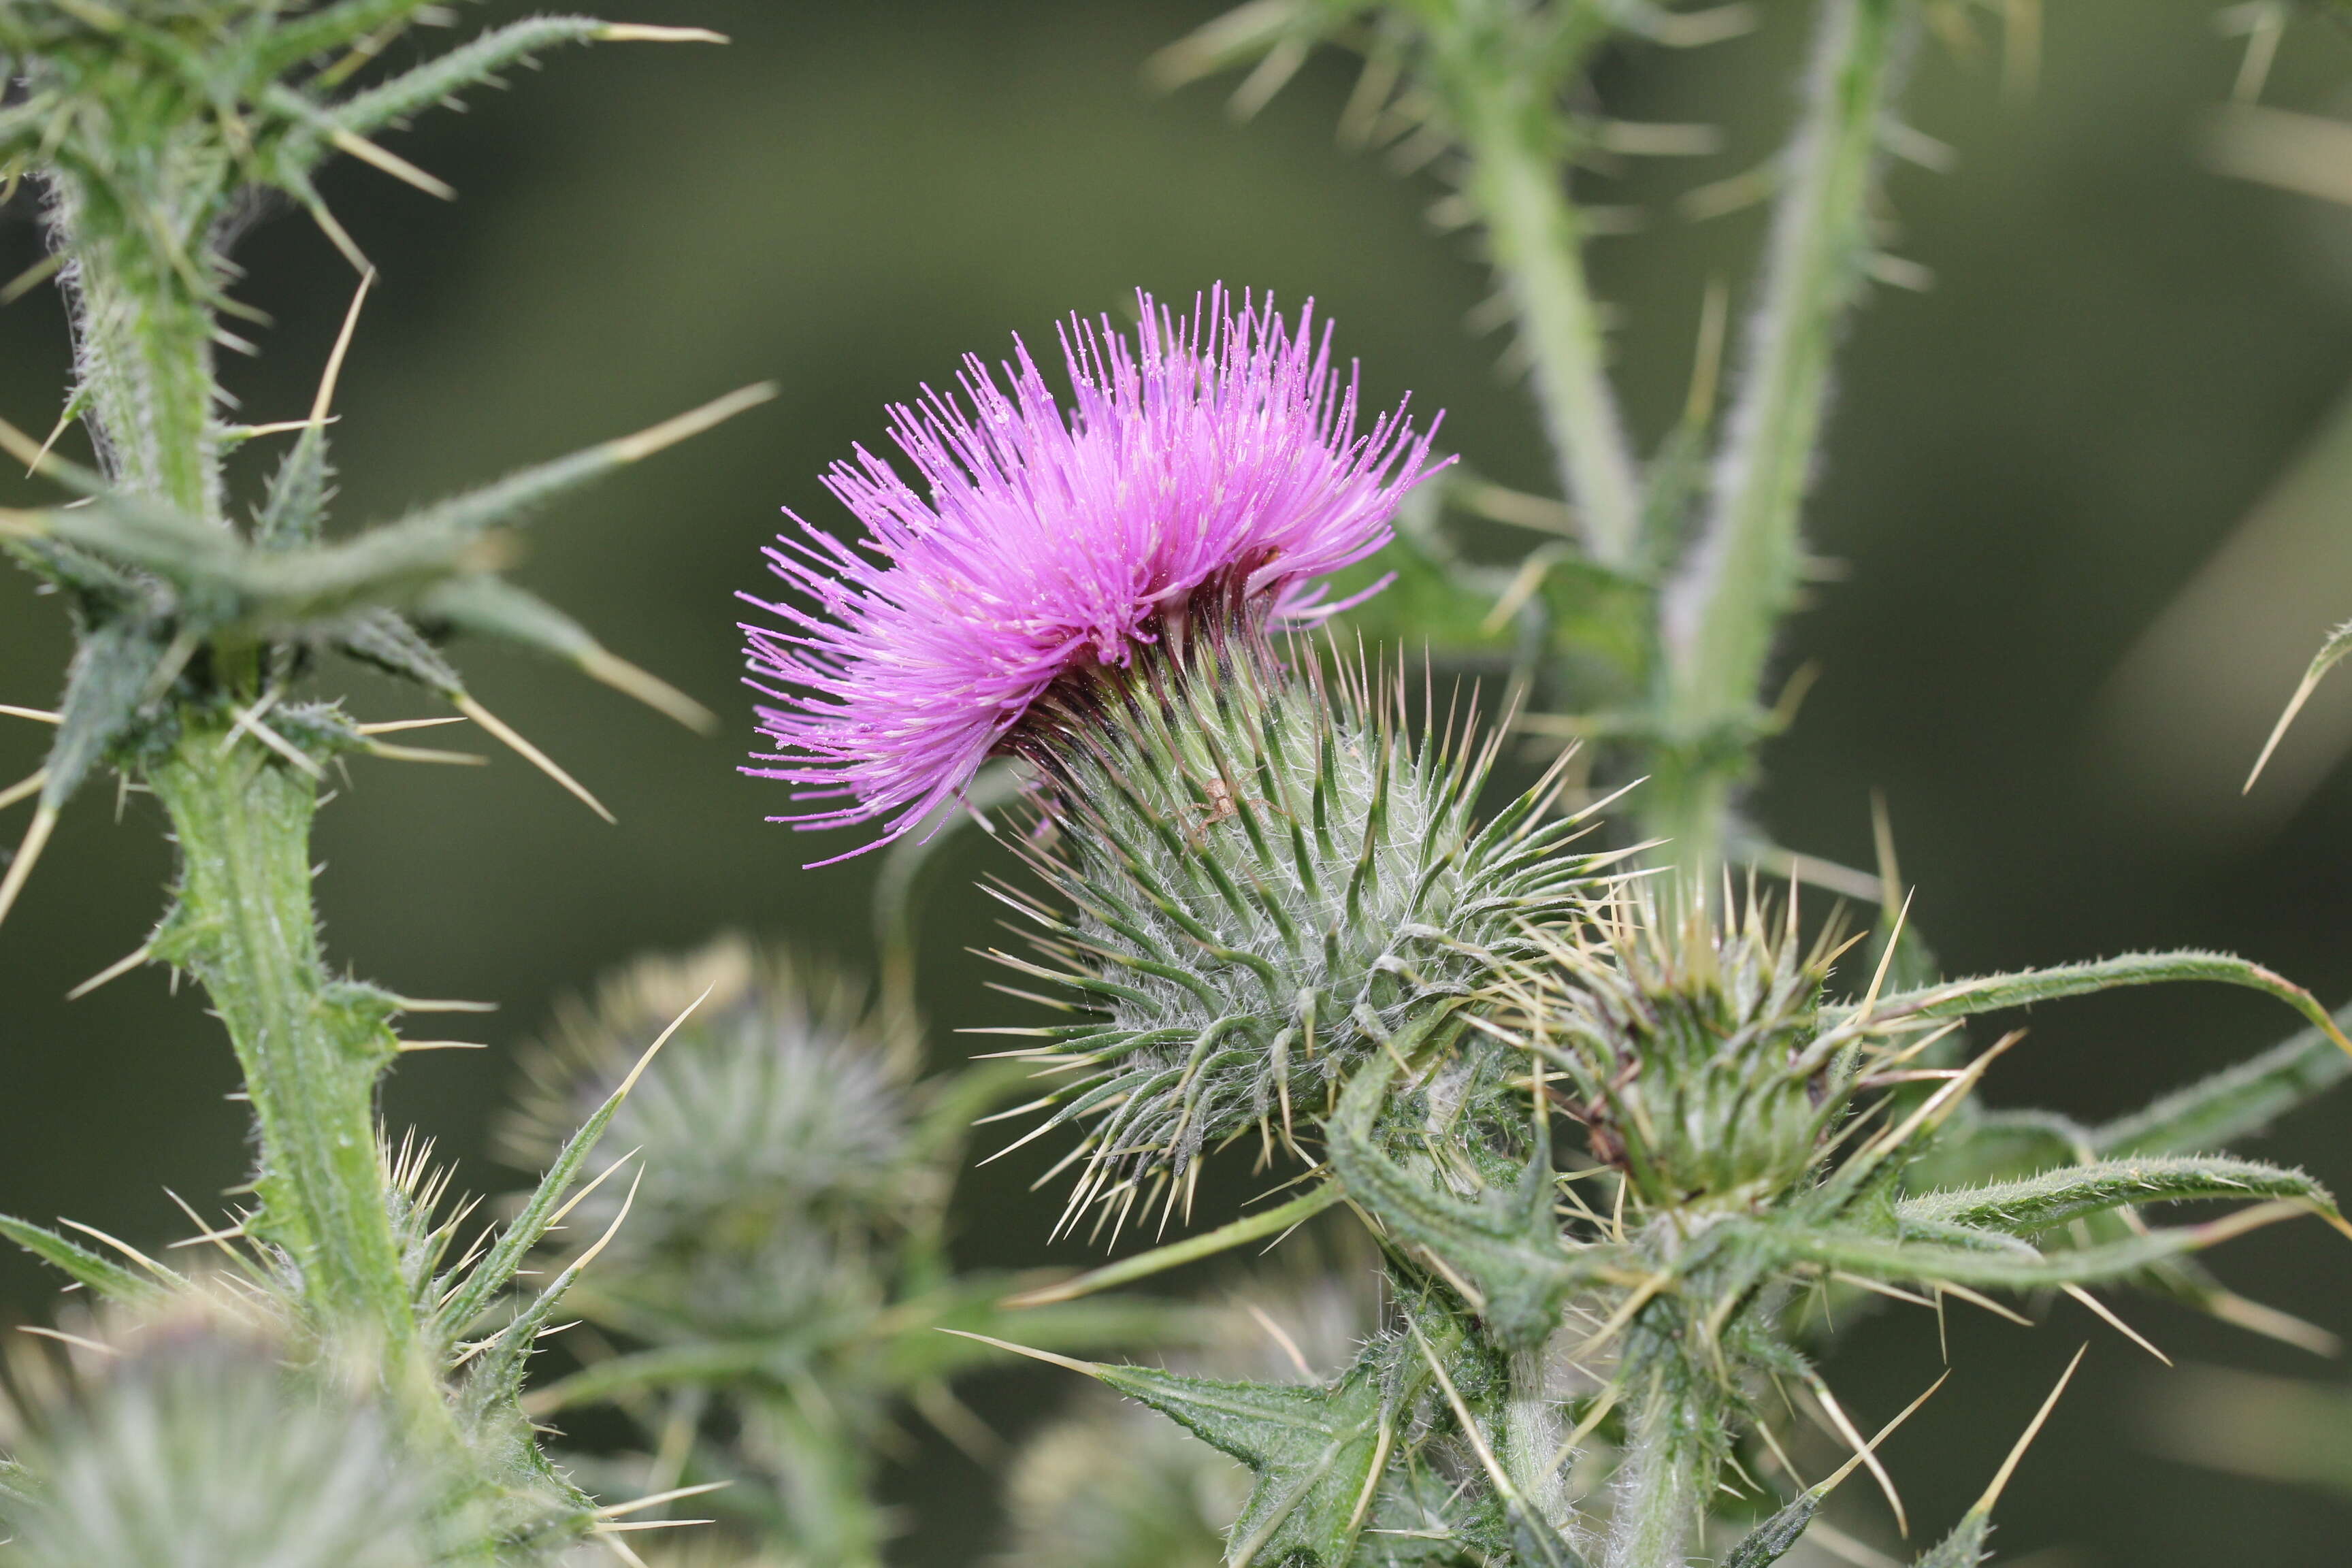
(1689, 1035)
(1267, 876)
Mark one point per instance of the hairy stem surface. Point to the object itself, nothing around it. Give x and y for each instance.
(143, 345)
(1517, 182)
(1661, 1485)
(1532, 1430)
(1722, 610)
(312, 1048)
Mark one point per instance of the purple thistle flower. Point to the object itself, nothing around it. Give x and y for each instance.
(1215, 463)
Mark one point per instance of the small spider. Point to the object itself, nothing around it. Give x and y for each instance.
(1224, 806)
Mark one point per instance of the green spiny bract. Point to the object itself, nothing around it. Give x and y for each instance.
(1267, 876)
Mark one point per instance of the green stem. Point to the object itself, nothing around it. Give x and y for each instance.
(1532, 1431)
(142, 338)
(1662, 1484)
(1723, 610)
(1518, 180)
(312, 1048)
(823, 1482)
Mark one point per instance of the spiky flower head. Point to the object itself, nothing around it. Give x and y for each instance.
(1268, 878)
(1692, 1039)
(774, 1130)
(1212, 463)
(199, 1434)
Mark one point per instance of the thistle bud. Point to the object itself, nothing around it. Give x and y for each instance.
(1694, 1045)
(774, 1131)
(197, 1437)
(1266, 877)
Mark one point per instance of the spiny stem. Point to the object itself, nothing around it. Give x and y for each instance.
(1721, 612)
(244, 927)
(142, 342)
(1662, 1483)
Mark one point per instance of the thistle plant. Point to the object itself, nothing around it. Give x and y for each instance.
(1283, 912)
(1615, 1117)
(1611, 1132)
(203, 639)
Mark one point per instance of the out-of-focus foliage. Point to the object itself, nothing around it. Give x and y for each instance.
(778, 1279)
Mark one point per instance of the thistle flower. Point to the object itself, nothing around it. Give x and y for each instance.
(1212, 466)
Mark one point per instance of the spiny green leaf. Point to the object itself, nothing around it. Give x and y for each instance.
(112, 672)
(1989, 993)
(384, 639)
(2233, 1103)
(291, 42)
(1994, 1264)
(2040, 1203)
(470, 64)
(510, 499)
(491, 606)
(466, 1302)
(1503, 1246)
(1315, 1451)
(1272, 1222)
(1963, 1548)
(101, 1275)
(1770, 1541)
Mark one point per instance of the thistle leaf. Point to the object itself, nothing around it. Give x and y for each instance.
(384, 639)
(2045, 1202)
(1503, 1247)
(1963, 1548)
(291, 42)
(1770, 1541)
(1992, 1261)
(101, 1275)
(2234, 1103)
(112, 671)
(512, 499)
(470, 64)
(1272, 1222)
(491, 606)
(496, 1269)
(1987, 993)
(1316, 1452)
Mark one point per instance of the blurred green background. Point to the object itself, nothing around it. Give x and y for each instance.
(2032, 465)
